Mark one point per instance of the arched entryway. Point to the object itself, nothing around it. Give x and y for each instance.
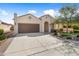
(46, 27)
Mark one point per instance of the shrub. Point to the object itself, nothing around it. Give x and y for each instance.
(61, 30)
(1, 31)
(55, 32)
(2, 37)
(78, 36)
(69, 26)
(76, 27)
(65, 34)
(76, 31)
(68, 37)
(64, 26)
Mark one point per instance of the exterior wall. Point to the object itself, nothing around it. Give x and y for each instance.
(41, 25)
(16, 27)
(6, 28)
(58, 26)
(26, 19)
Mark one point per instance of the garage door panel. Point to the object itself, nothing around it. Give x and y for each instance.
(28, 28)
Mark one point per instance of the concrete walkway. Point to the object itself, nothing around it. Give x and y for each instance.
(31, 43)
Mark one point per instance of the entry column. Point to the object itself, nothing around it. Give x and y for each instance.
(49, 28)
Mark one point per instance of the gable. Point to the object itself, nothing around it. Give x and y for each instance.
(28, 19)
(47, 18)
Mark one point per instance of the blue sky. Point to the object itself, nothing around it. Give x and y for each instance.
(7, 10)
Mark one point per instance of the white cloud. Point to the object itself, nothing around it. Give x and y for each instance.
(57, 13)
(5, 16)
(3, 12)
(32, 11)
(78, 10)
(51, 12)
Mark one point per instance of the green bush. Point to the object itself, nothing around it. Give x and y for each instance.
(69, 37)
(65, 34)
(76, 27)
(1, 31)
(2, 37)
(76, 31)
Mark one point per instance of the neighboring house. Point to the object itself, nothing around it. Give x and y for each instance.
(5, 26)
(68, 29)
(58, 26)
(29, 23)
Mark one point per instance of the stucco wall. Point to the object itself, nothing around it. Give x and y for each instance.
(28, 19)
(58, 26)
(6, 28)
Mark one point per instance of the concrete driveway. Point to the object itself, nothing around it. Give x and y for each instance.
(31, 43)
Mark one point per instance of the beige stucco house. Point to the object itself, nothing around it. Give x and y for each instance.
(29, 23)
(5, 26)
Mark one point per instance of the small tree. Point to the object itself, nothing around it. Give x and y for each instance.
(68, 12)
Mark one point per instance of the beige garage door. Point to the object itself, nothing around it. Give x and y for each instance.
(28, 28)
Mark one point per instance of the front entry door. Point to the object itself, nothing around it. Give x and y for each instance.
(46, 27)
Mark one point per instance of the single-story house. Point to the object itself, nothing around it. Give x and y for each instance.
(29, 23)
(5, 26)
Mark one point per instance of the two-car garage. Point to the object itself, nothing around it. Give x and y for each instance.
(28, 28)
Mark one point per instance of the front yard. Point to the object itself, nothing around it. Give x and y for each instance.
(67, 49)
(40, 44)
